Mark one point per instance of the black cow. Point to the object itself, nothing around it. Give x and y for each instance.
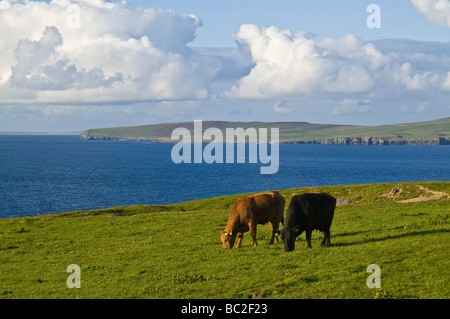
(307, 212)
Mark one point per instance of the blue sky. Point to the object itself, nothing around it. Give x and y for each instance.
(323, 17)
(70, 65)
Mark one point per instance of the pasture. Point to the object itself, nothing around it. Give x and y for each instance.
(174, 251)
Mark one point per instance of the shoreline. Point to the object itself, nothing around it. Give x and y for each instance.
(178, 205)
(40, 133)
(359, 140)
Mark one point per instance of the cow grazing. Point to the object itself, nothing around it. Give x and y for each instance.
(249, 211)
(307, 212)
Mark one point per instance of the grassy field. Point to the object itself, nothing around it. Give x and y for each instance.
(174, 251)
(290, 132)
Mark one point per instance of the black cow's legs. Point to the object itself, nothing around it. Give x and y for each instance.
(326, 237)
(308, 238)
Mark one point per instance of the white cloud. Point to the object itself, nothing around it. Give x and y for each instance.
(109, 52)
(349, 106)
(436, 11)
(420, 81)
(290, 64)
(38, 67)
(300, 66)
(423, 107)
(446, 84)
(174, 109)
(68, 53)
(63, 110)
(283, 107)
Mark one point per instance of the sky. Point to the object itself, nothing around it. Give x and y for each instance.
(71, 65)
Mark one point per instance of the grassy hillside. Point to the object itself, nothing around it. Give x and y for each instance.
(431, 132)
(162, 132)
(174, 251)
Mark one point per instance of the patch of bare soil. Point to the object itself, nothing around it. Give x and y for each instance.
(430, 195)
(395, 192)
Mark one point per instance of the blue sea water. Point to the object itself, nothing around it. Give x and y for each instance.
(41, 174)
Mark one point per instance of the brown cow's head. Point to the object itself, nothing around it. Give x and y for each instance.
(227, 239)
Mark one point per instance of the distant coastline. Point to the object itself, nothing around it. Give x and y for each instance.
(39, 133)
(418, 133)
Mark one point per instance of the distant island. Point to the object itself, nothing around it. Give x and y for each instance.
(419, 133)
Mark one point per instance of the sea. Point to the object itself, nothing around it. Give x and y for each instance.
(43, 174)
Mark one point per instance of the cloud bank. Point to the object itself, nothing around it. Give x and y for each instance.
(300, 65)
(98, 51)
(68, 53)
(436, 11)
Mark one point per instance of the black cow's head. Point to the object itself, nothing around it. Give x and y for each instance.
(288, 235)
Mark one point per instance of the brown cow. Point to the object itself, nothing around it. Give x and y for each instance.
(249, 211)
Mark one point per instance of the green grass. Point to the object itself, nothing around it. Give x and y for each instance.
(163, 252)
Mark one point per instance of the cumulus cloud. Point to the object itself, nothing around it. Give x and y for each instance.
(303, 66)
(349, 106)
(63, 54)
(282, 107)
(436, 11)
(290, 64)
(93, 51)
(37, 67)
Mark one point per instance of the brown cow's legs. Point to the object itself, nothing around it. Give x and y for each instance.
(252, 227)
(274, 231)
(239, 242)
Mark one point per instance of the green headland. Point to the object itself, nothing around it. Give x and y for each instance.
(427, 133)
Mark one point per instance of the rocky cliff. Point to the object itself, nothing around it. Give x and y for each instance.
(377, 140)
